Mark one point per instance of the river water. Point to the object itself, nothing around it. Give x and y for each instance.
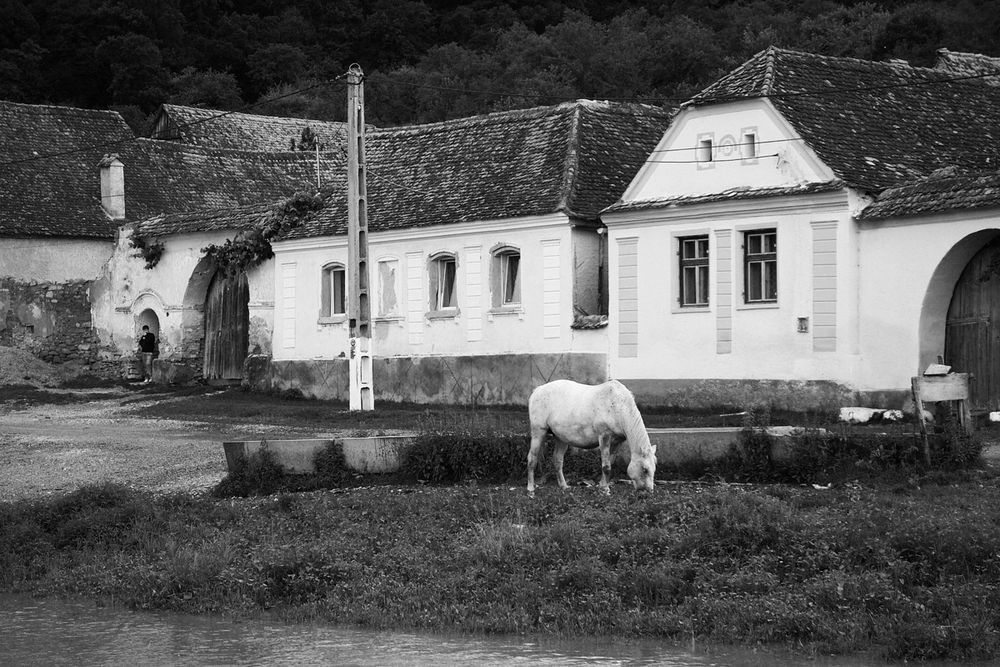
(57, 632)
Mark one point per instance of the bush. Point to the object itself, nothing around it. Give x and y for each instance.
(442, 458)
(256, 475)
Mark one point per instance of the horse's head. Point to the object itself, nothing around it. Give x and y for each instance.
(641, 470)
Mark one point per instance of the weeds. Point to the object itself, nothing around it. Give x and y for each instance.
(864, 569)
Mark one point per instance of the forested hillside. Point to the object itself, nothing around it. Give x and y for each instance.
(430, 60)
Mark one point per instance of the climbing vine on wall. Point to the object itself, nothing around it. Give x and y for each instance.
(151, 251)
(252, 246)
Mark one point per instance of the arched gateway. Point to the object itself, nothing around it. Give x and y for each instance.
(227, 325)
(216, 322)
(972, 331)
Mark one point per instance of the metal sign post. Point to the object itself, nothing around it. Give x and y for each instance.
(362, 396)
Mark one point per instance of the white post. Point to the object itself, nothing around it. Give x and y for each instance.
(358, 309)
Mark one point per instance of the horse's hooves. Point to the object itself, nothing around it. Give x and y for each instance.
(531, 494)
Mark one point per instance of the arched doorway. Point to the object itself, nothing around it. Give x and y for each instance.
(972, 329)
(227, 323)
(148, 317)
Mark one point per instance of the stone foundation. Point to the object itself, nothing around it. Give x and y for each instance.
(502, 379)
(792, 395)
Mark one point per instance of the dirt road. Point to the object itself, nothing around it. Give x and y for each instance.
(48, 449)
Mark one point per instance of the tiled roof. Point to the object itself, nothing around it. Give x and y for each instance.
(55, 196)
(956, 63)
(944, 191)
(165, 177)
(875, 124)
(727, 195)
(574, 158)
(211, 128)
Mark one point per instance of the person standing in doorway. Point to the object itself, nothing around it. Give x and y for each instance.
(147, 348)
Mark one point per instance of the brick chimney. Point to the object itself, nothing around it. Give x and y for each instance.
(113, 186)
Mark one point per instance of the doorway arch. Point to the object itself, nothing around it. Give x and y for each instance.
(972, 325)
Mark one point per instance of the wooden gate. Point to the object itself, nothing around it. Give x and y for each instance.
(227, 323)
(972, 331)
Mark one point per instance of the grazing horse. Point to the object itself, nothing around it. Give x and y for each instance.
(588, 416)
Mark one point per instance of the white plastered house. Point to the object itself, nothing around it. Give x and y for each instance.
(794, 240)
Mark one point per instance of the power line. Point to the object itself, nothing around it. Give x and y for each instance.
(120, 142)
(692, 98)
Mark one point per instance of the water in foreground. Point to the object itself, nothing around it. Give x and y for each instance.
(56, 632)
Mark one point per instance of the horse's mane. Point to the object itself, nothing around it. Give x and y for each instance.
(631, 419)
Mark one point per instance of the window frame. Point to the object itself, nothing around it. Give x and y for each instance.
(764, 258)
(702, 272)
(506, 297)
(379, 301)
(435, 264)
(328, 293)
(749, 151)
(703, 160)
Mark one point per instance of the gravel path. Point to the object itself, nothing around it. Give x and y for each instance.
(49, 449)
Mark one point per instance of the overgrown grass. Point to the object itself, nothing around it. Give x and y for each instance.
(910, 575)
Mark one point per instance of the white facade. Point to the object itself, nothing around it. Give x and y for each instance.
(405, 322)
(859, 304)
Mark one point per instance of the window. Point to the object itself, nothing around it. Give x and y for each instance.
(388, 305)
(693, 254)
(442, 287)
(748, 147)
(760, 266)
(333, 290)
(506, 281)
(704, 150)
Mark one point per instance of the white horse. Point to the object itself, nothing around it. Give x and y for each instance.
(588, 416)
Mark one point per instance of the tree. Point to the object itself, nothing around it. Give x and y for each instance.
(136, 67)
(209, 89)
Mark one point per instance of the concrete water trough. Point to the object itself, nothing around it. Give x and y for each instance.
(381, 454)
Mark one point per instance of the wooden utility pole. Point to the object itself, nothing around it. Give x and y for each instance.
(358, 309)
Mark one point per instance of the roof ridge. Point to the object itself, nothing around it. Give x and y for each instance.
(59, 107)
(213, 112)
(571, 162)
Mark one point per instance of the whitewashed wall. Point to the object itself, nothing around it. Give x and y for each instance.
(673, 169)
(908, 272)
(541, 324)
(54, 260)
(653, 337)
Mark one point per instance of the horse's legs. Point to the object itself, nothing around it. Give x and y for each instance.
(606, 443)
(537, 438)
(558, 451)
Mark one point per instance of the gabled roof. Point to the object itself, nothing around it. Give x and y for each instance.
(212, 128)
(875, 124)
(49, 181)
(970, 65)
(946, 190)
(574, 158)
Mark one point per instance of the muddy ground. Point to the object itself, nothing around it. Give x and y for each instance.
(86, 436)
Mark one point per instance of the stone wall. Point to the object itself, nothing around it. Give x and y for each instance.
(724, 394)
(53, 322)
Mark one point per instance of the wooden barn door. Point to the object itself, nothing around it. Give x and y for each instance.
(972, 332)
(227, 321)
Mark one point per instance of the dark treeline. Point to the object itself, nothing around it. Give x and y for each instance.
(430, 60)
